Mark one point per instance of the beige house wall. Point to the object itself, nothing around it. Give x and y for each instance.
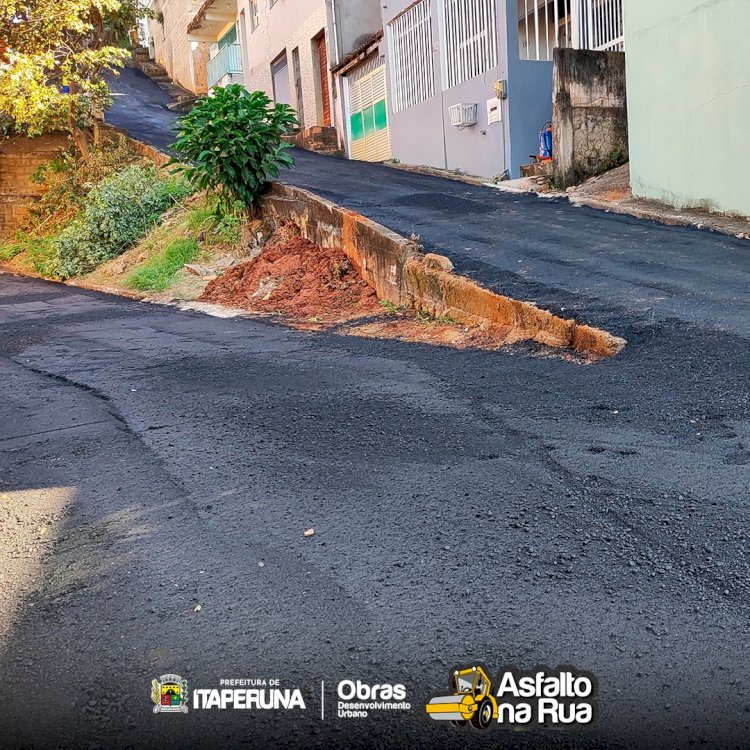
(287, 25)
(184, 60)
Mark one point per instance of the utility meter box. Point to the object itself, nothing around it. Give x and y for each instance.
(494, 111)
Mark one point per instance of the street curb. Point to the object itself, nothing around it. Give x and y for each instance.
(666, 215)
(401, 273)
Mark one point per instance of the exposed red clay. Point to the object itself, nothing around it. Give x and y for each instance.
(294, 277)
(399, 272)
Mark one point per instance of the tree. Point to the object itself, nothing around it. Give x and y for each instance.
(54, 55)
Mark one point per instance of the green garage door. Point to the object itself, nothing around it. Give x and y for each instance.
(370, 136)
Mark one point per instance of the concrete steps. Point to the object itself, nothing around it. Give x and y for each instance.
(183, 98)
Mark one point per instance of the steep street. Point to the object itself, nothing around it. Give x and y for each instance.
(159, 469)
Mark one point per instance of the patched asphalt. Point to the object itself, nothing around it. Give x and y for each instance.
(511, 508)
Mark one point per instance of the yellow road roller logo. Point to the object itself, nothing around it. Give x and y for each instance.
(559, 697)
(472, 701)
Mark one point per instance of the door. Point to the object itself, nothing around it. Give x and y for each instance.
(280, 74)
(325, 89)
(370, 136)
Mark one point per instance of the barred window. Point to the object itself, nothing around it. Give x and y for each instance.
(469, 44)
(410, 55)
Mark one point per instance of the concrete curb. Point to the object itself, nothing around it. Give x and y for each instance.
(670, 216)
(400, 273)
(731, 226)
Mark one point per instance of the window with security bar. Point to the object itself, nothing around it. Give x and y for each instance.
(411, 58)
(469, 39)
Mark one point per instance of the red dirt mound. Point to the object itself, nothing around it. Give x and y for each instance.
(297, 278)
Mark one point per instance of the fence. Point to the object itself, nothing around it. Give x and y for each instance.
(580, 24)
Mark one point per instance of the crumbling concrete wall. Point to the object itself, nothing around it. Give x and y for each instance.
(398, 271)
(589, 114)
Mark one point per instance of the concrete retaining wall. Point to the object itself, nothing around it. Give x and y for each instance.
(398, 271)
(589, 114)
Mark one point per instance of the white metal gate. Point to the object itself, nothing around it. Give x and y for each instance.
(369, 130)
(581, 24)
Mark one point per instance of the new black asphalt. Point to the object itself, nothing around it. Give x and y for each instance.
(508, 508)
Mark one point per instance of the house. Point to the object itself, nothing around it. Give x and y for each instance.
(284, 48)
(688, 114)
(468, 83)
(219, 25)
(184, 60)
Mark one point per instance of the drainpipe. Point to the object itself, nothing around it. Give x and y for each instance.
(338, 82)
(335, 31)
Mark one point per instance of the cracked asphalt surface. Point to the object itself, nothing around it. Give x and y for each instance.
(511, 508)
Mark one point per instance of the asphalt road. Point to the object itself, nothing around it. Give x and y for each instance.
(511, 508)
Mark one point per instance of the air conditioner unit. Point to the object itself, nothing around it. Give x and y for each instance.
(463, 115)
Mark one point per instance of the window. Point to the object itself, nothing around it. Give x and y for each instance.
(542, 26)
(469, 44)
(410, 53)
(253, 15)
(282, 93)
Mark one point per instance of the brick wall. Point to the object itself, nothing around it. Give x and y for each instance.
(19, 159)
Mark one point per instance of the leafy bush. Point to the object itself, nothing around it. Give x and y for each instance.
(68, 179)
(232, 141)
(117, 213)
(157, 273)
(42, 254)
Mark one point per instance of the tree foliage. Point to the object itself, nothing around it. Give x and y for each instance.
(232, 143)
(54, 55)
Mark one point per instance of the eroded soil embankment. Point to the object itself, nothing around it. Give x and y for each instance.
(314, 288)
(298, 279)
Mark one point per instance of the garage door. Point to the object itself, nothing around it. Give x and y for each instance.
(368, 105)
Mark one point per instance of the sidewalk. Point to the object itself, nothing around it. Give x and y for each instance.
(611, 192)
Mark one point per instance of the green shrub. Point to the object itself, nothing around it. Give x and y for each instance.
(39, 249)
(232, 143)
(157, 273)
(116, 214)
(68, 179)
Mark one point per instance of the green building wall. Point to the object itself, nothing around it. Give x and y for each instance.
(688, 89)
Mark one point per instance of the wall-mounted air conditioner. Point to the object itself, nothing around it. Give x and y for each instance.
(463, 115)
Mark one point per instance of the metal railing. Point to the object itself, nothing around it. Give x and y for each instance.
(581, 24)
(227, 61)
(600, 25)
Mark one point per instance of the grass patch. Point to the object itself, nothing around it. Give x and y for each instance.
(9, 250)
(431, 320)
(157, 273)
(214, 227)
(38, 251)
(392, 309)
